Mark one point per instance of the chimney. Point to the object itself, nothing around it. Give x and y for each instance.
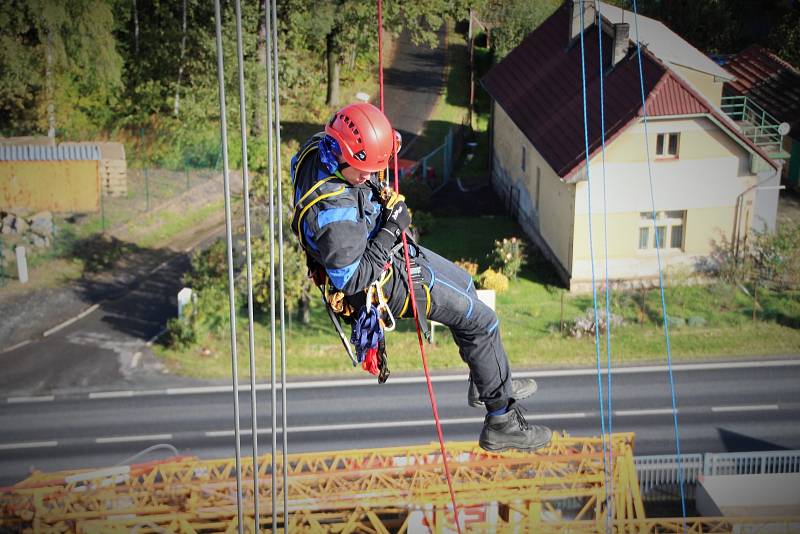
(589, 15)
(620, 48)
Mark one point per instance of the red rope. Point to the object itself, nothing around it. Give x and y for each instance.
(380, 48)
(431, 394)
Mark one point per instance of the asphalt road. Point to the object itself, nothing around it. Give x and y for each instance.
(743, 408)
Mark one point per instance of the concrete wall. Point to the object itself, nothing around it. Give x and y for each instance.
(65, 186)
(702, 82)
(546, 218)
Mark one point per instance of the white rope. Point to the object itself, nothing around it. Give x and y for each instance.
(229, 241)
(248, 258)
(282, 307)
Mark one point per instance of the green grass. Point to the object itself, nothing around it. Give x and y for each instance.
(167, 224)
(530, 314)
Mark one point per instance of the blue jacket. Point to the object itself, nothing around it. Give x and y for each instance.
(337, 231)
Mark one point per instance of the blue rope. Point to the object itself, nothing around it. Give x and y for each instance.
(660, 274)
(609, 412)
(591, 255)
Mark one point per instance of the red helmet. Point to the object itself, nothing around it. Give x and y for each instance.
(365, 136)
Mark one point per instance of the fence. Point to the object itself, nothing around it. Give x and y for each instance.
(658, 475)
(435, 168)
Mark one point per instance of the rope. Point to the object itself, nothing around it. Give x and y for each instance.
(660, 275)
(282, 307)
(411, 298)
(229, 242)
(271, 237)
(248, 258)
(591, 255)
(380, 50)
(610, 411)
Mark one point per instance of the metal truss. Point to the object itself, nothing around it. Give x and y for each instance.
(398, 489)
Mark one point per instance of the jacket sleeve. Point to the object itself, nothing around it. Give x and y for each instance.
(341, 233)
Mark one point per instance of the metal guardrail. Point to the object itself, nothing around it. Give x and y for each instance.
(661, 471)
(756, 124)
(751, 463)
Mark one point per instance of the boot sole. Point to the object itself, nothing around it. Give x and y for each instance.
(508, 447)
(481, 404)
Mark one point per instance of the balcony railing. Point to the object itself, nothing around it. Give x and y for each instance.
(756, 124)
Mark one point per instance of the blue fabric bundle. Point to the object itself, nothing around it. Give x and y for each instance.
(367, 332)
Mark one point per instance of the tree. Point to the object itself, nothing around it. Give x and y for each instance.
(84, 69)
(342, 27)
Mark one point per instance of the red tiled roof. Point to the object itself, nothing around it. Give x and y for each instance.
(770, 81)
(539, 86)
(670, 97)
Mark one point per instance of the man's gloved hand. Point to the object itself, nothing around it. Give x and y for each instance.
(396, 217)
(395, 220)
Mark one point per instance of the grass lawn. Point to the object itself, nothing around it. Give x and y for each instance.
(530, 315)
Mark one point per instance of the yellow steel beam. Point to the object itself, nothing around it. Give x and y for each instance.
(376, 490)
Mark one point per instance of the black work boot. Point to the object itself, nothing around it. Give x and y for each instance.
(511, 431)
(521, 388)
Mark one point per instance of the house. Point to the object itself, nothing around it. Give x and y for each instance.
(765, 97)
(710, 181)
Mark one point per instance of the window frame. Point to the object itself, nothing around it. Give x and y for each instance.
(666, 223)
(664, 142)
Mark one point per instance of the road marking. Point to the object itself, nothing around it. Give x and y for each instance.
(657, 411)
(390, 424)
(68, 322)
(42, 398)
(14, 347)
(340, 383)
(28, 445)
(111, 394)
(125, 439)
(745, 408)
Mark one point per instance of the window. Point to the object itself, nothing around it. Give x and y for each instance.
(538, 181)
(667, 145)
(669, 230)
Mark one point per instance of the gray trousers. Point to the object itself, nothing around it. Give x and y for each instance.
(475, 327)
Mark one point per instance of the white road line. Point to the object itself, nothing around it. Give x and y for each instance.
(28, 445)
(745, 408)
(340, 383)
(392, 424)
(111, 394)
(144, 437)
(19, 400)
(13, 347)
(68, 322)
(657, 411)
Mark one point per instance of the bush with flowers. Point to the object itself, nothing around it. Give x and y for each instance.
(508, 256)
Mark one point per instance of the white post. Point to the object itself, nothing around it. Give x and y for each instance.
(184, 298)
(22, 265)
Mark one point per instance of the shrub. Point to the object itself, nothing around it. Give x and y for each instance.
(423, 222)
(508, 256)
(491, 279)
(470, 266)
(181, 333)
